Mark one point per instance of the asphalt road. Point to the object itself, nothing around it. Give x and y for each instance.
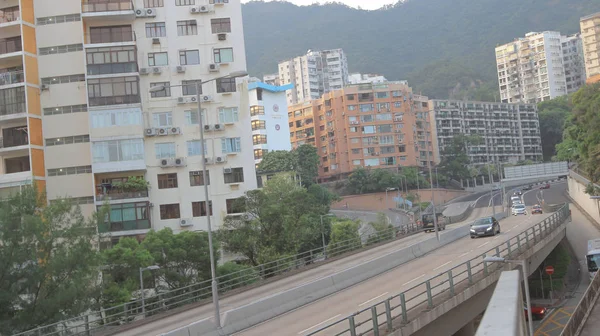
(313, 316)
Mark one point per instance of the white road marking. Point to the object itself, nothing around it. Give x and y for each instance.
(417, 278)
(442, 265)
(464, 254)
(509, 230)
(318, 324)
(375, 298)
(482, 245)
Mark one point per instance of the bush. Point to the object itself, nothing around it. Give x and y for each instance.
(232, 275)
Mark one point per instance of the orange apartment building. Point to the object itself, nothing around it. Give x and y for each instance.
(379, 125)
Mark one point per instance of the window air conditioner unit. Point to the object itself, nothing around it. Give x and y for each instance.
(166, 163)
(185, 222)
(175, 130)
(181, 100)
(221, 159)
(207, 98)
(222, 36)
(156, 70)
(219, 127)
(203, 9)
(227, 170)
(144, 71)
(180, 69)
(163, 131)
(45, 87)
(150, 131)
(140, 13)
(214, 67)
(150, 12)
(179, 162)
(155, 40)
(208, 128)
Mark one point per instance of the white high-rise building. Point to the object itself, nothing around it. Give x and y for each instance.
(573, 60)
(358, 78)
(314, 74)
(93, 123)
(531, 69)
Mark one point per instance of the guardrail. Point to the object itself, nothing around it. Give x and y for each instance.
(132, 311)
(421, 297)
(577, 320)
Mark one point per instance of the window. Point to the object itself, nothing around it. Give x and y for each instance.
(356, 162)
(111, 118)
(165, 150)
(113, 91)
(158, 59)
(234, 205)
(118, 150)
(382, 94)
(402, 148)
(355, 150)
(236, 175)
(366, 107)
(196, 178)
(188, 88)
(47, 20)
(189, 57)
(111, 34)
(153, 3)
(368, 129)
(185, 2)
(231, 145)
(67, 140)
(228, 115)
(166, 92)
(220, 25)
(65, 109)
(162, 119)
(167, 181)
(397, 104)
(128, 216)
(102, 61)
(63, 79)
(169, 211)
(194, 148)
(199, 208)
(223, 55)
(225, 85)
(156, 29)
(191, 117)
(258, 153)
(257, 110)
(70, 171)
(187, 27)
(258, 139)
(218, 1)
(384, 128)
(61, 49)
(258, 125)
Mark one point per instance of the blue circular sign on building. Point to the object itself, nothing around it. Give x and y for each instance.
(277, 127)
(276, 108)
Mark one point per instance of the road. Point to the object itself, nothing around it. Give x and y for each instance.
(313, 316)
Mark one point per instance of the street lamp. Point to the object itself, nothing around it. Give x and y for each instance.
(323, 233)
(523, 264)
(386, 194)
(198, 84)
(142, 269)
(435, 223)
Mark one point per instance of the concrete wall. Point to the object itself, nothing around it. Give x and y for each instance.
(577, 185)
(376, 201)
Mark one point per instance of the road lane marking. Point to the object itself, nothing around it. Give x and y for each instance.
(417, 278)
(442, 265)
(318, 324)
(482, 245)
(464, 254)
(375, 298)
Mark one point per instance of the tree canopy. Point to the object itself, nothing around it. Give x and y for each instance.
(455, 161)
(363, 180)
(553, 115)
(304, 160)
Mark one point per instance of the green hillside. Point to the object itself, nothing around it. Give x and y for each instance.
(443, 47)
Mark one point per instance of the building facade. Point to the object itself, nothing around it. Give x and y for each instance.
(272, 79)
(79, 116)
(510, 132)
(573, 60)
(590, 33)
(381, 125)
(268, 108)
(314, 74)
(358, 78)
(531, 69)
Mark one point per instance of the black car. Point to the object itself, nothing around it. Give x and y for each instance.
(485, 226)
(529, 187)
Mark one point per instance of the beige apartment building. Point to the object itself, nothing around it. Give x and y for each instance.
(379, 125)
(78, 118)
(590, 33)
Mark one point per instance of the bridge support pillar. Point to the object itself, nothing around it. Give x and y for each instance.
(466, 330)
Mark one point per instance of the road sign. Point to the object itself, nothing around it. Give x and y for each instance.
(549, 270)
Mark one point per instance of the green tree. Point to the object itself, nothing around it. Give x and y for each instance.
(344, 237)
(553, 114)
(383, 229)
(455, 161)
(308, 163)
(232, 275)
(278, 161)
(48, 261)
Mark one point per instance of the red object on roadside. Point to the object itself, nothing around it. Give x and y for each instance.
(549, 270)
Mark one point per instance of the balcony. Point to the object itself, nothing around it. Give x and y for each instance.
(12, 102)
(114, 60)
(109, 36)
(9, 15)
(10, 47)
(121, 10)
(11, 77)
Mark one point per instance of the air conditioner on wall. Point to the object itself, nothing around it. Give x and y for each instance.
(150, 131)
(220, 159)
(150, 12)
(185, 222)
(180, 69)
(214, 67)
(207, 98)
(219, 127)
(179, 162)
(162, 131)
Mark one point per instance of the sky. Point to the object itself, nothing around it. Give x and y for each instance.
(369, 4)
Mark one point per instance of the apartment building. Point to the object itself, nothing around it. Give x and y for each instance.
(358, 78)
(531, 69)
(78, 116)
(590, 33)
(380, 125)
(268, 108)
(272, 79)
(510, 132)
(573, 60)
(314, 74)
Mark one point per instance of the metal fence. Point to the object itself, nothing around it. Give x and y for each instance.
(132, 311)
(424, 296)
(577, 320)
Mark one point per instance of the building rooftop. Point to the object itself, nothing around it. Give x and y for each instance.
(590, 16)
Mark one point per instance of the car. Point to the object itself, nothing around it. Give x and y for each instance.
(519, 209)
(515, 200)
(518, 193)
(529, 187)
(496, 187)
(536, 209)
(545, 186)
(485, 226)
(537, 313)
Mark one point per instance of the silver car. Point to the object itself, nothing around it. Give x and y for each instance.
(519, 209)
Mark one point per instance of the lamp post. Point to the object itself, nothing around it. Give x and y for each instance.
(435, 223)
(198, 84)
(386, 194)
(523, 264)
(323, 233)
(142, 269)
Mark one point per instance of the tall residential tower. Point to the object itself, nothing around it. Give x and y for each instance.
(590, 32)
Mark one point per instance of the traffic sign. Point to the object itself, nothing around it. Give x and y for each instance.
(549, 270)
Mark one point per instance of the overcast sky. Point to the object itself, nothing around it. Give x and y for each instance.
(369, 4)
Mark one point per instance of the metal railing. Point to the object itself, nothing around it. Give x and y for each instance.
(120, 195)
(424, 296)
(12, 77)
(577, 320)
(132, 311)
(10, 14)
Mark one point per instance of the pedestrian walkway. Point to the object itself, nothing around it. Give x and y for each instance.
(554, 324)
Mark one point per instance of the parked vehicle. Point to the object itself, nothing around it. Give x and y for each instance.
(537, 313)
(536, 209)
(545, 186)
(485, 226)
(593, 257)
(427, 220)
(519, 209)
